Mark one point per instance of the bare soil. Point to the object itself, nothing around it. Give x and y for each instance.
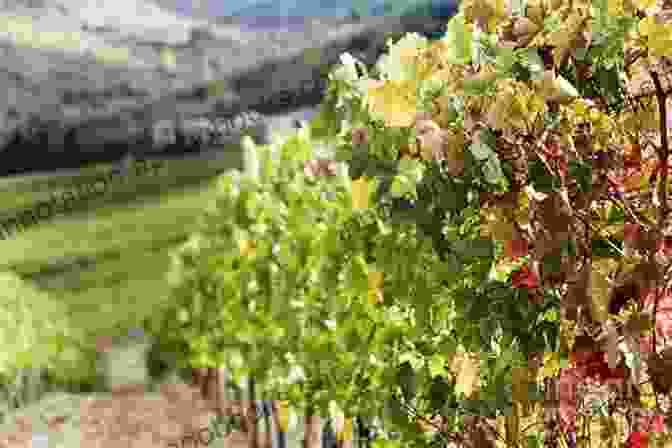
(131, 417)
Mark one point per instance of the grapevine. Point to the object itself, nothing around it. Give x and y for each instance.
(502, 236)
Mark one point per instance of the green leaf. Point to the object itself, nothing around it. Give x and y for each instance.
(493, 171)
(551, 315)
(382, 443)
(633, 360)
(480, 150)
(437, 366)
(581, 54)
(407, 381)
(413, 358)
(459, 39)
(582, 172)
(478, 87)
(540, 178)
(397, 413)
(533, 62)
(535, 440)
(506, 59)
(360, 276)
(518, 7)
(567, 90)
(474, 248)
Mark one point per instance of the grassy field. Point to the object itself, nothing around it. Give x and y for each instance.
(114, 248)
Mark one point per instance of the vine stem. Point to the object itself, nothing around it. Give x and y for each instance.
(663, 150)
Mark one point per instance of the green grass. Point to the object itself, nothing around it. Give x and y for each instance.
(112, 249)
(19, 193)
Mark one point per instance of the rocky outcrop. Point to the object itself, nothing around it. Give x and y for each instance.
(84, 81)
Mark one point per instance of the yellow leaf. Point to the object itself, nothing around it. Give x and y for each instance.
(512, 425)
(375, 287)
(505, 266)
(247, 248)
(520, 382)
(454, 141)
(644, 4)
(394, 101)
(283, 415)
(616, 7)
(647, 396)
(600, 287)
(466, 366)
(360, 193)
(551, 365)
(500, 228)
(345, 435)
(522, 213)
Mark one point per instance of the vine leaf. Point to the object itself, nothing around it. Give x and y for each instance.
(360, 193)
(480, 150)
(459, 38)
(466, 368)
(375, 287)
(407, 381)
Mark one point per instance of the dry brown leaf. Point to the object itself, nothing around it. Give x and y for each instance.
(611, 345)
(578, 293)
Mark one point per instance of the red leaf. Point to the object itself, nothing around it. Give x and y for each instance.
(553, 150)
(631, 233)
(664, 315)
(646, 344)
(516, 248)
(652, 423)
(562, 168)
(524, 278)
(664, 246)
(567, 383)
(638, 439)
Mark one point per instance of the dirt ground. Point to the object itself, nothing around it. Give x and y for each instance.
(130, 418)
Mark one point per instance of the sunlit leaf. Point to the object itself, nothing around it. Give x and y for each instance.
(467, 369)
(394, 102)
(437, 366)
(283, 414)
(459, 37)
(375, 287)
(360, 193)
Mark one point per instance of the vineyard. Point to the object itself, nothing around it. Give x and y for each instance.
(470, 244)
